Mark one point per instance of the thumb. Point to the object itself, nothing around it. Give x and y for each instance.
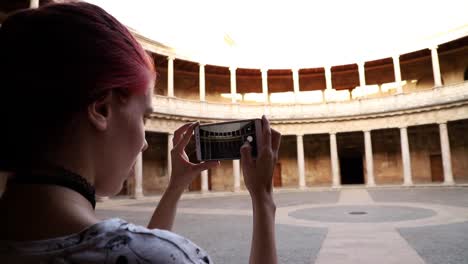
(246, 153)
(206, 165)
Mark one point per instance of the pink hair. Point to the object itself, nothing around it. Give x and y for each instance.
(54, 61)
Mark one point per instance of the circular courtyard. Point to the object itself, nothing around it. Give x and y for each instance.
(348, 225)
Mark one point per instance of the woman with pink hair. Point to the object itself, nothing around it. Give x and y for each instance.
(76, 89)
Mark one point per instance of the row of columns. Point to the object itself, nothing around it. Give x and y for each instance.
(138, 172)
(334, 159)
(295, 74)
(236, 174)
(405, 153)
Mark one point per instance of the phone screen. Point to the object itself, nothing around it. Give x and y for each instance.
(224, 140)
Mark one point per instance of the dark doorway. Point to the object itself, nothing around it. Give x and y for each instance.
(437, 171)
(352, 171)
(351, 153)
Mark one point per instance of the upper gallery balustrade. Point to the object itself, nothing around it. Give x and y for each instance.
(330, 110)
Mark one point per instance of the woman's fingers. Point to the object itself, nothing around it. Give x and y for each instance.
(199, 167)
(179, 133)
(246, 153)
(185, 138)
(266, 132)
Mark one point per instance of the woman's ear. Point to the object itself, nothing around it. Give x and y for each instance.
(99, 112)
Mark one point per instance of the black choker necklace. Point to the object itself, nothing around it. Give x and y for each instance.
(60, 177)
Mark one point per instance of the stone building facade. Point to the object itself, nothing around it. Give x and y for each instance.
(413, 133)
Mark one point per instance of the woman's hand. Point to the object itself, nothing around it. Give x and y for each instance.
(184, 171)
(258, 173)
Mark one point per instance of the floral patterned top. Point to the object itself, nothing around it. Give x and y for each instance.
(110, 241)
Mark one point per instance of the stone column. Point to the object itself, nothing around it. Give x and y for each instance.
(138, 174)
(170, 76)
(295, 73)
(334, 161)
(328, 93)
(204, 181)
(233, 84)
(236, 171)
(446, 157)
(436, 67)
(397, 71)
(265, 85)
(170, 145)
(328, 77)
(33, 3)
(405, 155)
(369, 159)
(202, 82)
(362, 74)
(300, 161)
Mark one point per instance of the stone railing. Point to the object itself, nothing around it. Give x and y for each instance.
(331, 110)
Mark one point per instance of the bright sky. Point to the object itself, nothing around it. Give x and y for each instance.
(292, 34)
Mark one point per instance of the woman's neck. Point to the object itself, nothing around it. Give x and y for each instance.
(38, 212)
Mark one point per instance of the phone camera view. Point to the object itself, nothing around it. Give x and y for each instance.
(223, 141)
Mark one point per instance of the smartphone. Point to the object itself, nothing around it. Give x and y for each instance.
(222, 141)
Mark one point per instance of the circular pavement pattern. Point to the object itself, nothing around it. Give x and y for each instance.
(364, 214)
(363, 226)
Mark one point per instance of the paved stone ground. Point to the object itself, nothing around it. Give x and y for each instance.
(397, 225)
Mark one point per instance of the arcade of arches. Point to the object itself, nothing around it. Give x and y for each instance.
(424, 146)
(431, 148)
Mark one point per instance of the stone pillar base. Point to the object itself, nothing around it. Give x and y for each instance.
(102, 198)
(448, 183)
(138, 196)
(399, 91)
